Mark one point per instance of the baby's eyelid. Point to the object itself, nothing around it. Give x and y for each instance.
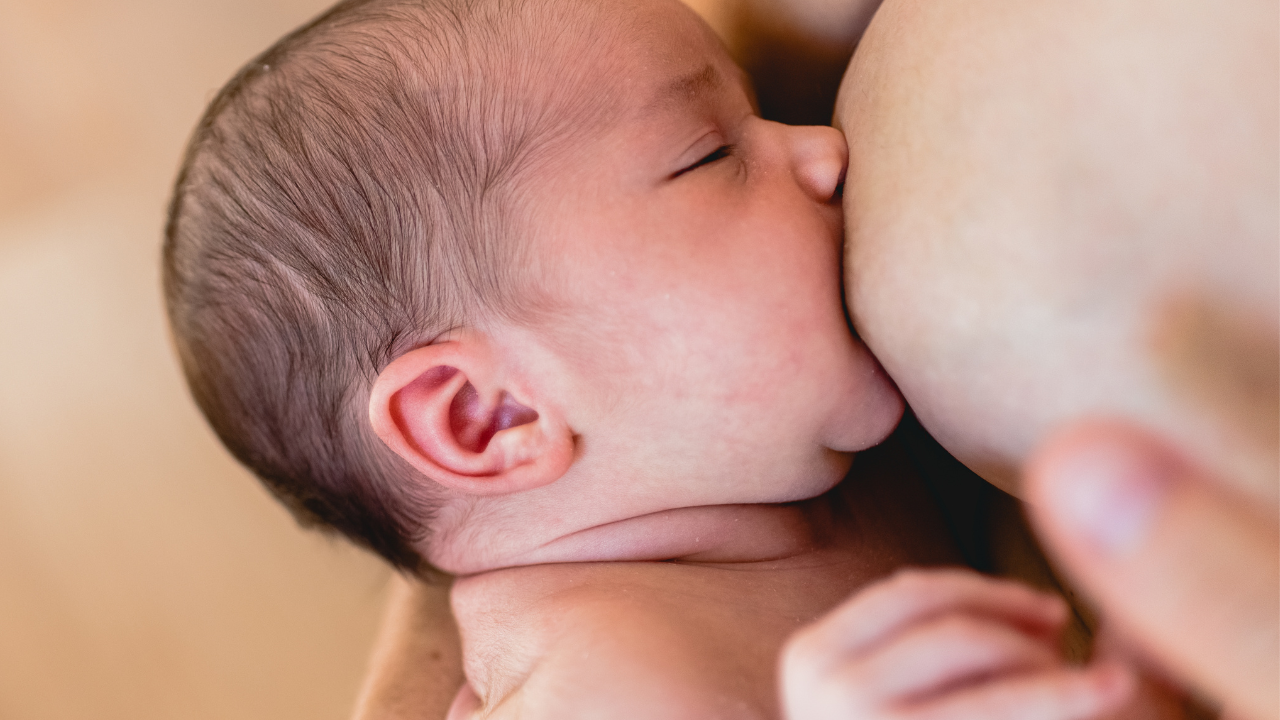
(722, 151)
(718, 154)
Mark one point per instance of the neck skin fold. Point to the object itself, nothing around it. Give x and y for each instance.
(693, 617)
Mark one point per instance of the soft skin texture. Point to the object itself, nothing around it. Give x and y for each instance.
(689, 353)
(698, 638)
(1065, 210)
(943, 644)
(1051, 204)
(1163, 545)
(691, 638)
(420, 638)
(899, 54)
(950, 644)
(613, 620)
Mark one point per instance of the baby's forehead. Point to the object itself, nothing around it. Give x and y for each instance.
(580, 52)
(543, 61)
(522, 82)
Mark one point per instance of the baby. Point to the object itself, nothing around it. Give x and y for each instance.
(521, 290)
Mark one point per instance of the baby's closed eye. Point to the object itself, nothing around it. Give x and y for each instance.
(719, 153)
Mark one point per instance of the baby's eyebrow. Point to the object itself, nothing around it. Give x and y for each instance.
(704, 79)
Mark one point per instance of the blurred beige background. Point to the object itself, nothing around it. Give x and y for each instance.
(142, 573)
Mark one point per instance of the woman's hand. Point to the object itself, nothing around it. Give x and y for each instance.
(1180, 563)
(416, 665)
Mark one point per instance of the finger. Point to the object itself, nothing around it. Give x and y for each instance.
(1192, 573)
(945, 654)
(912, 596)
(1054, 695)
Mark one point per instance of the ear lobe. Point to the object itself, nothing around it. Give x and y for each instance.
(443, 410)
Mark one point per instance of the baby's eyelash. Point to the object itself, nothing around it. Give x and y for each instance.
(719, 153)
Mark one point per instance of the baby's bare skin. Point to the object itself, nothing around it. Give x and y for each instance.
(686, 639)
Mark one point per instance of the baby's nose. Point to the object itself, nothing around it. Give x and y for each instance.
(819, 156)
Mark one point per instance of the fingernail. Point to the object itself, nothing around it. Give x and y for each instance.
(1108, 494)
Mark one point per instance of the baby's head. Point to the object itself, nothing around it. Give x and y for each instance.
(467, 279)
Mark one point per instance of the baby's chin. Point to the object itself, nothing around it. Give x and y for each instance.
(811, 478)
(870, 413)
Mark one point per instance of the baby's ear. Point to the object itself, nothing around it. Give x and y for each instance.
(445, 410)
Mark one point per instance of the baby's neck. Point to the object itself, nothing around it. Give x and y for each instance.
(709, 534)
(700, 631)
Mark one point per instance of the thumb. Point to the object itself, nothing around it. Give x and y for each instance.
(1178, 564)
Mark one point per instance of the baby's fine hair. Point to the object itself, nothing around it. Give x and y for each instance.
(350, 195)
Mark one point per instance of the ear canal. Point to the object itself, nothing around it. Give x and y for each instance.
(474, 424)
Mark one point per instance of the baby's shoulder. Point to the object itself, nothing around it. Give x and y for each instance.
(618, 640)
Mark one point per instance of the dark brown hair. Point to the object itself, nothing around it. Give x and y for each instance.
(346, 197)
